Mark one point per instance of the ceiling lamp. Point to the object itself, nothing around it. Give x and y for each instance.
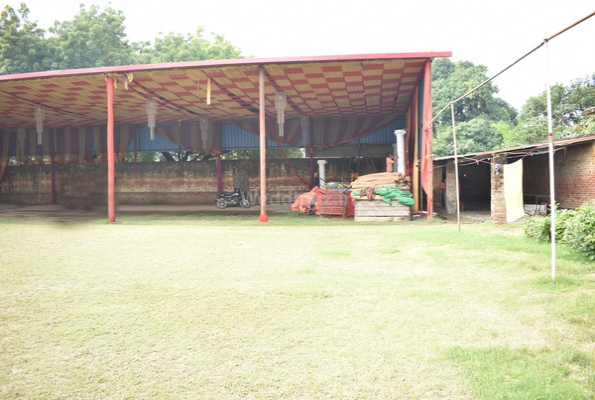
(39, 117)
(280, 105)
(151, 115)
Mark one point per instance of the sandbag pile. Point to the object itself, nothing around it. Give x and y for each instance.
(395, 179)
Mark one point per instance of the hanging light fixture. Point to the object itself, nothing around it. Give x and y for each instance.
(39, 117)
(280, 105)
(151, 116)
(204, 131)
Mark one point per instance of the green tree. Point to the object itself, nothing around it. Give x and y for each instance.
(291, 152)
(176, 47)
(474, 136)
(568, 105)
(93, 38)
(580, 96)
(482, 119)
(22, 44)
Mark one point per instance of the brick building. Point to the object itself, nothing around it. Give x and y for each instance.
(481, 177)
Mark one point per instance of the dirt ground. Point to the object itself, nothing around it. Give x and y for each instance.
(60, 212)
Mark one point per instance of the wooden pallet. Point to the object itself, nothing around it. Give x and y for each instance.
(380, 211)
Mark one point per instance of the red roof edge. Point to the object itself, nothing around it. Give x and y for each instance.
(224, 63)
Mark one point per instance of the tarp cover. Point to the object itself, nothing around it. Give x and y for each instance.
(307, 199)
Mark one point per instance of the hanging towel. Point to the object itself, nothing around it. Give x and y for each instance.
(513, 190)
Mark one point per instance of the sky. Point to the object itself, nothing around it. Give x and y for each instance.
(494, 33)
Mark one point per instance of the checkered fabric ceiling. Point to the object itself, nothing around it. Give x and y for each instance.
(366, 85)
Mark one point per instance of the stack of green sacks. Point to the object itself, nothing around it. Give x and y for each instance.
(388, 193)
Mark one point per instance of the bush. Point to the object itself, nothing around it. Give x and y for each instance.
(575, 228)
(579, 232)
(564, 218)
(538, 228)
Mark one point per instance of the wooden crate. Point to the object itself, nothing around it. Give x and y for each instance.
(334, 202)
(378, 210)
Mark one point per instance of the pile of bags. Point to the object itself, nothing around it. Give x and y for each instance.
(384, 186)
(395, 179)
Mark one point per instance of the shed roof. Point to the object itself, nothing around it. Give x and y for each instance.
(327, 86)
(522, 150)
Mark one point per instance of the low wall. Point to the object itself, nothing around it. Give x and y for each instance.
(175, 183)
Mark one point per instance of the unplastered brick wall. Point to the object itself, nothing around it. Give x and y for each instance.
(85, 185)
(498, 202)
(574, 175)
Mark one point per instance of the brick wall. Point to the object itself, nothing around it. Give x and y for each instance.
(85, 185)
(498, 202)
(574, 173)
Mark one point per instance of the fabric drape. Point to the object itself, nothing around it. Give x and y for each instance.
(6, 147)
(513, 190)
(72, 144)
(427, 176)
(190, 137)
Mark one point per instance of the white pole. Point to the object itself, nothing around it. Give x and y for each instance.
(400, 164)
(550, 136)
(456, 161)
(321, 172)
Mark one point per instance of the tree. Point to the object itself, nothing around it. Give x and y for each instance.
(580, 96)
(481, 117)
(468, 138)
(291, 152)
(176, 47)
(93, 38)
(568, 105)
(22, 44)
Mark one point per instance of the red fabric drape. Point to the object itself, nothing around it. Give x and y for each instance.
(6, 147)
(412, 133)
(292, 130)
(427, 177)
(123, 135)
(190, 137)
(72, 144)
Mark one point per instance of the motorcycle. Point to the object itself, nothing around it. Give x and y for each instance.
(233, 199)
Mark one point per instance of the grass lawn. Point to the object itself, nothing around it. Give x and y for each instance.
(299, 308)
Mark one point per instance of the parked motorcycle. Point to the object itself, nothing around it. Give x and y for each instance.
(238, 197)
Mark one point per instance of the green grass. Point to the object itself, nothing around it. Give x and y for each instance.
(523, 373)
(215, 307)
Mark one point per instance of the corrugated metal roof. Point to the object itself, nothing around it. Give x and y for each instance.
(236, 138)
(146, 144)
(539, 147)
(385, 135)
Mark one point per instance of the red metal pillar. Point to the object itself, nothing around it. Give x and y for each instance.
(219, 173)
(53, 168)
(111, 191)
(427, 164)
(135, 153)
(263, 153)
(53, 177)
(310, 150)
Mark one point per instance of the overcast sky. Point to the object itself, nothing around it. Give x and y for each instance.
(494, 33)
